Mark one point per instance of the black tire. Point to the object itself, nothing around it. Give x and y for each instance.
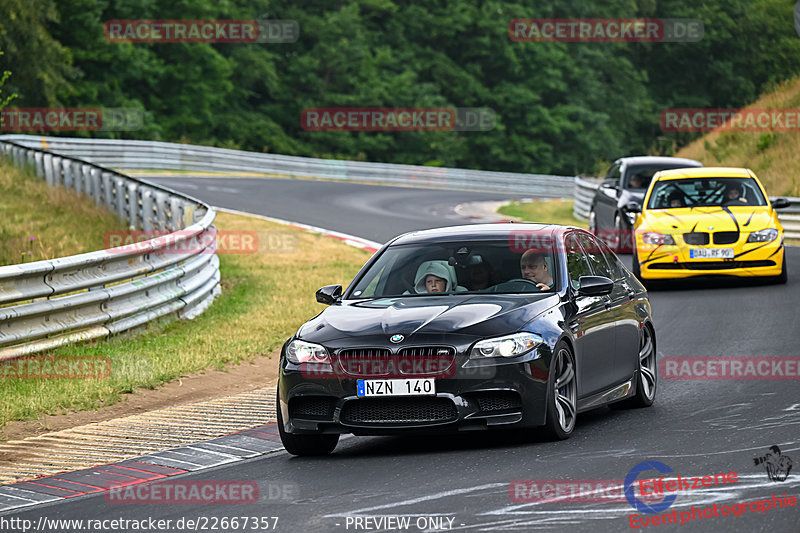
(646, 376)
(623, 236)
(562, 394)
(305, 445)
(783, 277)
(636, 268)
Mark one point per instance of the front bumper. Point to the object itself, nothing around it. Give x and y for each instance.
(476, 397)
(674, 262)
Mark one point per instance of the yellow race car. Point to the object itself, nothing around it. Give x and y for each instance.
(708, 221)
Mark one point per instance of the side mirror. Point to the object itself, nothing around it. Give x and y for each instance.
(594, 286)
(633, 207)
(780, 203)
(329, 294)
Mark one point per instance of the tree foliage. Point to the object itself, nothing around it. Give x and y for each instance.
(560, 107)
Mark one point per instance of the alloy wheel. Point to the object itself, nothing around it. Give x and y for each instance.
(647, 364)
(565, 390)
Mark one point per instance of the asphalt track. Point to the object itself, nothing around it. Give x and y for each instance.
(698, 428)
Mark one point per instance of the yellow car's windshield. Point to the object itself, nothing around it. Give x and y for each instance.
(704, 192)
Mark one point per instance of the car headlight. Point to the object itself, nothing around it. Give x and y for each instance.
(765, 235)
(652, 237)
(508, 346)
(631, 217)
(299, 352)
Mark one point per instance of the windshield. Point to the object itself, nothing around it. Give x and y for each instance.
(639, 176)
(703, 192)
(457, 268)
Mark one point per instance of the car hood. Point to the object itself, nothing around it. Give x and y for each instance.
(685, 219)
(479, 315)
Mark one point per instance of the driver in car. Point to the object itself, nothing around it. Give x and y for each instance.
(733, 194)
(534, 268)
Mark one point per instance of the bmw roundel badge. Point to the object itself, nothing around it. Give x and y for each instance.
(396, 338)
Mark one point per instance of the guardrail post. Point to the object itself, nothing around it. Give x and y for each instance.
(94, 174)
(120, 197)
(108, 189)
(61, 170)
(162, 209)
(48, 163)
(148, 214)
(38, 168)
(86, 180)
(133, 205)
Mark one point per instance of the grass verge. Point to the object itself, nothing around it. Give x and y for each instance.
(774, 156)
(41, 222)
(544, 212)
(265, 297)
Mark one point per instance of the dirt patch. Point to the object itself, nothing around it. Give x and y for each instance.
(261, 371)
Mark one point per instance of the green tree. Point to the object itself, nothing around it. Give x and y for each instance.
(5, 100)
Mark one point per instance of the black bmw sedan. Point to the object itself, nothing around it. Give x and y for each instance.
(469, 328)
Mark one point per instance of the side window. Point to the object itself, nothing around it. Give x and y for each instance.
(594, 254)
(617, 270)
(614, 173)
(577, 265)
(372, 286)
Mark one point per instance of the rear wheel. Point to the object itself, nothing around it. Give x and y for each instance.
(305, 445)
(646, 374)
(562, 395)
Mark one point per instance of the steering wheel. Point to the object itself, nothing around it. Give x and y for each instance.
(520, 280)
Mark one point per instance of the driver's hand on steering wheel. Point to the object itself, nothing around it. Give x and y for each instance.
(542, 287)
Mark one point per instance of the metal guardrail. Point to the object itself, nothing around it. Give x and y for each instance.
(126, 154)
(45, 304)
(585, 189)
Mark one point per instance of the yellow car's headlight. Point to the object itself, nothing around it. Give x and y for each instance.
(765, 235)
(652, 237)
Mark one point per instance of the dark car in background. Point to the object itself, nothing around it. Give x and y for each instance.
(488, 349)
(626, 182)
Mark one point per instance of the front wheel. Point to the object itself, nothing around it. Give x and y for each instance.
(562, 395)
(592, 222)
(783, 277)
(305, 445)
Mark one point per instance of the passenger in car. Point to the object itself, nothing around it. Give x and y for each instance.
(480, 276)
(675, 199)
(436, 276)
(534, 267)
